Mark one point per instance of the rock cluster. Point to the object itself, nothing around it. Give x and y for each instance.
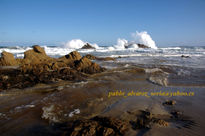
(105, 126)
(145, 120)
(112, 126)
(37, 67)
(7, 59)
(88, 46)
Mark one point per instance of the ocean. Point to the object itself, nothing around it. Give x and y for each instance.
(146, 56)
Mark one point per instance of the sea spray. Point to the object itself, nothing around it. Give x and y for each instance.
(138, 38)
(144, 38)
(77, 44)
(121, 43)
(74, 44)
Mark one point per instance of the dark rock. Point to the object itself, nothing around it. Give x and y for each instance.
(183, 56)
(142, 46)
(7, 59)
(145, 120)
(88, 46)
(171, 102)
(177, 114)
(104, 126)
(139, 45)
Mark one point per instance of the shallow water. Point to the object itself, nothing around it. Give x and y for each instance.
(41, 110)
(34, 111)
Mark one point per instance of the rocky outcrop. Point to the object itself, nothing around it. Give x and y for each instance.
(138, 44)
(37, 67)
(88, 46)
(86, 66)
(142, 46)
(104, 126)
(91, 57)
(7, 59)
(183, 56)
(35, 55)
(73, 56)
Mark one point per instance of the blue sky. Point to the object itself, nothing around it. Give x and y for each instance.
(169, 22)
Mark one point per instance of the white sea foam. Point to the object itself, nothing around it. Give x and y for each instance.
(77, 44)
(17, 50)
(144, 38)
(121, 43)
(139, 37)
(51, 113)
(76, 111)
(74, 44)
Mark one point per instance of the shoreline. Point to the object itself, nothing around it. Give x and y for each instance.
(77, 107)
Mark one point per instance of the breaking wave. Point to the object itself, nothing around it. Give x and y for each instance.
(77, 44)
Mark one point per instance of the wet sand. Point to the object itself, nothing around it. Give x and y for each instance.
(45, 108)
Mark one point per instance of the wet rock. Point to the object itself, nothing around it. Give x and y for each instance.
(142, 46)
(139, 45)
(105, 126)
(169, 102)
(87, 66)
(51, 113)
(37, 67)
(4, 77)
(177, 114)
(183, 56)
(159, 78)
(117, 125)
(145, 119)
(161, 122)
(7, 59)
(88, 46)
